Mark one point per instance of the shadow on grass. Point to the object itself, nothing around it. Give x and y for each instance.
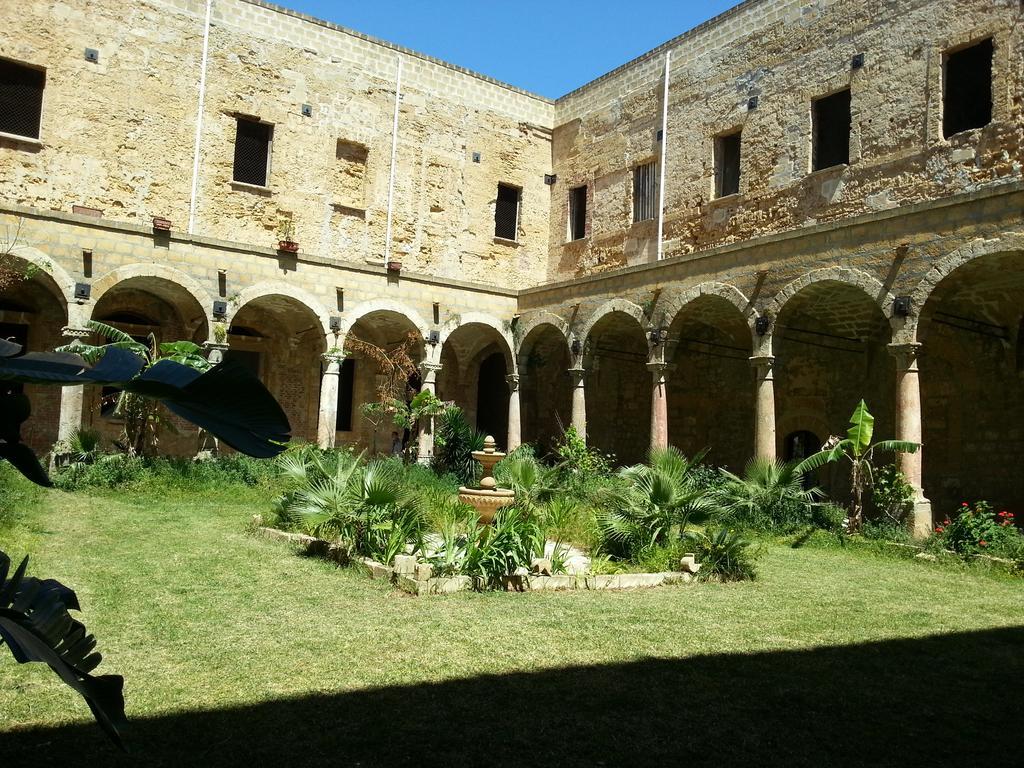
(942, 700)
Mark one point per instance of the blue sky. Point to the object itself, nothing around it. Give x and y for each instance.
(545, 46)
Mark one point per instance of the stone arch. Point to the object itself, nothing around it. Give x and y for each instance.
(623, 306)
(709, 340)
(33, 313)
(857, 278)
(540, 320)
(672, 302)
(61, 278)
(260, 290)
(352, 316)
(482, 318)
(1007, 242)
(191, 286)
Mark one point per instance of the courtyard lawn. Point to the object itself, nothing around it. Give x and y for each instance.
(238, 651)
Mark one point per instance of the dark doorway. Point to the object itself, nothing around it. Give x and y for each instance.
(492, 398)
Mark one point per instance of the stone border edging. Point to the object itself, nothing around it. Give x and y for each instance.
(443, 585)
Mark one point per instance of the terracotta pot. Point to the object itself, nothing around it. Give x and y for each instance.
(394, 266)
(289, 246)
(162, 224)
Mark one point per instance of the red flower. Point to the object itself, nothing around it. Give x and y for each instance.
(939, 529)
(983, 543)
(963, 504)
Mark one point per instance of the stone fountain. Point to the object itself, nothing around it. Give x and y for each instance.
(488, 498)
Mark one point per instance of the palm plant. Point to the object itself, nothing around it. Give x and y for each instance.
(858, 449)
(454, 445)
(531, 481)
(770, 495)
(364, 506)
(656, 504)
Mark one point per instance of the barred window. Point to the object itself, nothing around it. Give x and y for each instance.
(577, 213)
(252, 152)
(831, 130)
(21, 99)
(645, 191)
(506, 212)
(967, 89)
(727, 164)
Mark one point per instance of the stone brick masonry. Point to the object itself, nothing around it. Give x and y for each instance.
(771, 312)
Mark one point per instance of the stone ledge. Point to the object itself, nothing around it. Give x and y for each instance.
(445, 585)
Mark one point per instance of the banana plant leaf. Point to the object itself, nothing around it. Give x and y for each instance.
(64, 368)
(226, 400)
(36, 625)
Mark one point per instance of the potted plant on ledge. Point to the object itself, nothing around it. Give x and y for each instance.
(286, 233)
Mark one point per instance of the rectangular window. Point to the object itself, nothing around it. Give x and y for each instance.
(506, 212)
(346, 381)
(645, 192)
(577, 213)
(727, 164)
(831, 130)
(21, 99)
(967, 89)
(252, 152)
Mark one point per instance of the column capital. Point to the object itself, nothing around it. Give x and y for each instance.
(68, 332)
(762, 361)
(578, 374)
(333, 357)
(211, 345)
(905, 353)
(428, 372)
(513, 381)
(660, 370)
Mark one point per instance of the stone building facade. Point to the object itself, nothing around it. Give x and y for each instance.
(722, 244)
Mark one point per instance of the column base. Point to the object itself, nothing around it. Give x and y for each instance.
(920, 519)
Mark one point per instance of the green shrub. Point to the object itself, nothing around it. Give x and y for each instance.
(497, 550)
(578, 465)
(892, 495)
(120, 471)
(770, 496)
(723, 554)
(979, 530)
(115, 470)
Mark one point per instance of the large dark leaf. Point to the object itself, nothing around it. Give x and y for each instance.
(231, 403)
(116, 366)
(36, 626)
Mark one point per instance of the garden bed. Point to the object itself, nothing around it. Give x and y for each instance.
(417, 579)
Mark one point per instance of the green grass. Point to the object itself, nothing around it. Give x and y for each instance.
(236, 650)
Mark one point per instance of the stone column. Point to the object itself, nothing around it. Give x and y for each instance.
(327, 425)
(908, 427)
(659, 405)
(71, 398)
(428, 378)
(764, 406)
(579, 401)
(515, 429)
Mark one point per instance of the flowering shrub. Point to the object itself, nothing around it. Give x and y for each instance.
(979, 530)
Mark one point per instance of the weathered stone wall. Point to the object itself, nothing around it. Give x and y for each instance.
(287, 301)
(119, 135)
(787, 53)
